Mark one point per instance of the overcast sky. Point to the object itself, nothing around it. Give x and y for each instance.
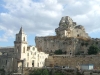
(41, 17)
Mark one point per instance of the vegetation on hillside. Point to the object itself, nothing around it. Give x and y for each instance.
(2, 72)
(59, 52)
(54, 71)
(93, 50)
(39, 72)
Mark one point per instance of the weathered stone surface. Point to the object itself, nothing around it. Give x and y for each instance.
(74, 61)
(68, 38)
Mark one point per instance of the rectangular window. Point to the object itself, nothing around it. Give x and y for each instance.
(27, 54)
(6, 62)
(23, 49)
(27, 64)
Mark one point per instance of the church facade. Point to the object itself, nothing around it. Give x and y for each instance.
(21, 55)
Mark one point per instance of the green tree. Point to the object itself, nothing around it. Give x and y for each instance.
(93, 50)
(36, 72)
(45, 72)
(82, 44)
(39, 72)
(86, 44)
(96, 42)
(58, 51)
(2, 71)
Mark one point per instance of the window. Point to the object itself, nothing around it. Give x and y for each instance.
(33, 48)
(18, 38)
(27, 64)
(23, 49)
(31, 53)
(35, 53)
(17, 49)
(77, 35)
(38, 64)
(23, 38)
(27, 54)
(6, 62)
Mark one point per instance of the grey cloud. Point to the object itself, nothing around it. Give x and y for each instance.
(41, 18)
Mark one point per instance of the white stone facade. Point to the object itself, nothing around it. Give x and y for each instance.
(35, 58)
(21, 55)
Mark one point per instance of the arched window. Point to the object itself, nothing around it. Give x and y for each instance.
(17, 49)
(33, 48)
(18, 38)
(35, 53)
(23, 38)
(77, 35)
(23, 49)
(27, 64)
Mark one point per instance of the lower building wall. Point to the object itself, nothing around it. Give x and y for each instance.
(63, 60)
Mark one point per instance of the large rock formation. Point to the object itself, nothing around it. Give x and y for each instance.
(68, 28)
(70, 38)
(73, 41)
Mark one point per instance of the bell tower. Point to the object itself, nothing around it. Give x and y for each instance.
(20, 45)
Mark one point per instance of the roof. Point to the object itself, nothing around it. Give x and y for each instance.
(21, 31)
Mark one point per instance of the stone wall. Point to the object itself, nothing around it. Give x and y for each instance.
(69, 37)
(74, 61)
(71, 45)
(6, 62)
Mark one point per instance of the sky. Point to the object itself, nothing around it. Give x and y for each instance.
(41, 17)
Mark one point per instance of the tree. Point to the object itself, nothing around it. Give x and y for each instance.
(58, 51)
(93, 50)
(45, 72)
(39, 72)
(82, 44)
(86, 44)
(96, 42)
(2, 72)
(36, 72)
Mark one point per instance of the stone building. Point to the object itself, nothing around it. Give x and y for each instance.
(21, 55)
(66, 39)
(70, 38)
(73, 41)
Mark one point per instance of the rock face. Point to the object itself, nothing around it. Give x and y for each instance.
(70, 38)
(73, 41)
(66, 21)
(68, 28)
